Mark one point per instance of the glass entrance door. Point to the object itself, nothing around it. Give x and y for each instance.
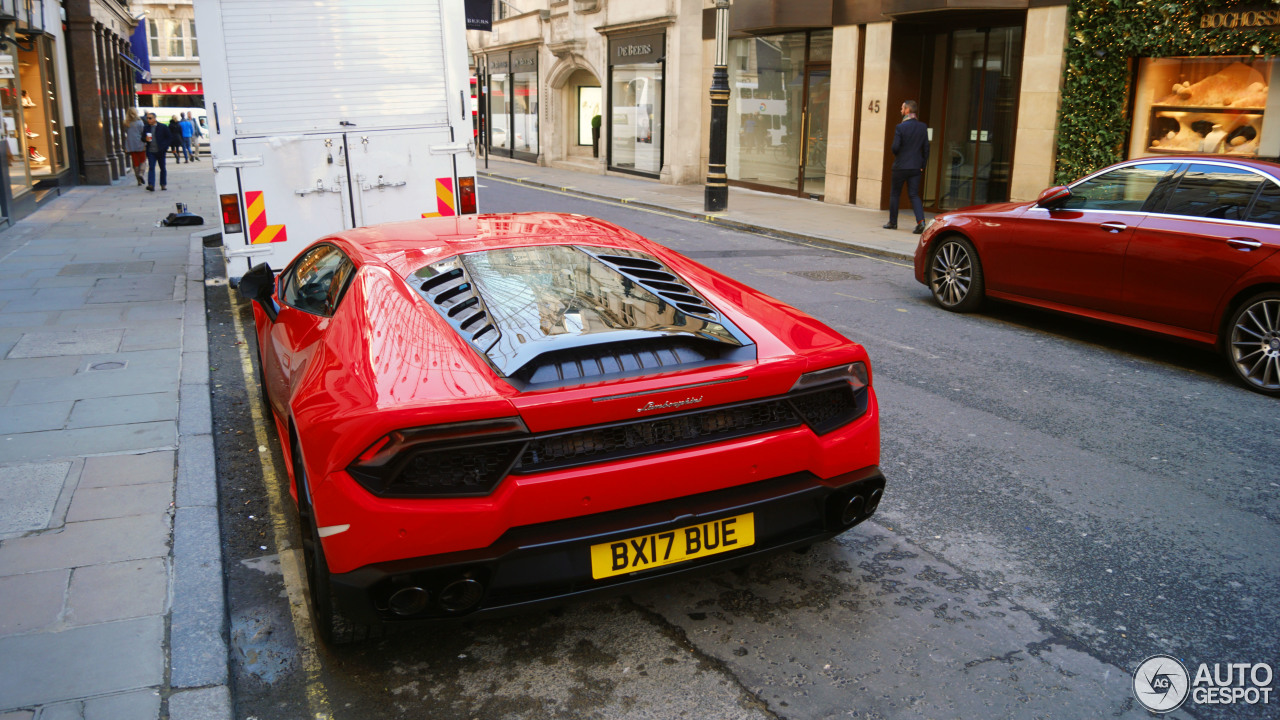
(976, 152)
(813, 170)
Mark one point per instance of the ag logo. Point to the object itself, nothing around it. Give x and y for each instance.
(1161, 683)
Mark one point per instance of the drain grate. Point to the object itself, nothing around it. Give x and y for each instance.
(825, 275)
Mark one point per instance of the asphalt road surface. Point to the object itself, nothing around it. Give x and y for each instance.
(1064, 501)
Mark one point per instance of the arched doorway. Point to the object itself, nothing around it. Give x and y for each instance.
(584, 98)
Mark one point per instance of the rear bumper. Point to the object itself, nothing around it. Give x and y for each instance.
(549, 563)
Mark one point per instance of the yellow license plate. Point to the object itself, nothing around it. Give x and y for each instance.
(673, 546)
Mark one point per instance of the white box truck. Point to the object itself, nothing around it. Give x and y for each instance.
(326, 115)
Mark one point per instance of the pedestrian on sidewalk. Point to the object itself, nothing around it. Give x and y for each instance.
(196, 134)
(910, 156)
(133, 142)
(175, 135)
(156, 139)
(185, 126)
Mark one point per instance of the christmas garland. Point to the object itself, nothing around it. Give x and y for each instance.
(1104, 35)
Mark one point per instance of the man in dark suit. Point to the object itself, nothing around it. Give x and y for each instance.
(910, 156)
(156, 138)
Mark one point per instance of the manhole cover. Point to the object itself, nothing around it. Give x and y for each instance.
(826, 275)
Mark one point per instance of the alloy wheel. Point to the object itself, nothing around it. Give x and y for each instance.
(1255, 343)
(955, 276)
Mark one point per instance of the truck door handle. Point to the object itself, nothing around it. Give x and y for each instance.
(383, 184)
(319, 188)
(1244, 244)
(1113, 227)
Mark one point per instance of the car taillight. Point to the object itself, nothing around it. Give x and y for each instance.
(830, 398)
(466, 196)
(451, 460)
(231, 213)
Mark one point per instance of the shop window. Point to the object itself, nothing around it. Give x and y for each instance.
(1214, 191)
(11, 105)
(500, 111)
(589, 104)
(525, 112)
(40, 132)
(1202, 105)
(636, 91)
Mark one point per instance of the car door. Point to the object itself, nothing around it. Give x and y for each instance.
(1074, 253)
(1182, 259)
(310, 290)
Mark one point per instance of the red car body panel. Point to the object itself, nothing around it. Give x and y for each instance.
(1168, 274)
(387, 361)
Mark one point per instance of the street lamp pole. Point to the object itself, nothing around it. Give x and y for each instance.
(717, 194)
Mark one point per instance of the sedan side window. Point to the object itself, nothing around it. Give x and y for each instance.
(1122, 189)
(1214, 191)
(1266, 209)
(310, 283)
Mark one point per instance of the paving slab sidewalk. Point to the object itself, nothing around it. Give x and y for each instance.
(111, 595)
(833, 224)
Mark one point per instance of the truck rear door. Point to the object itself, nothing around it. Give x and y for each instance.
(402, 174)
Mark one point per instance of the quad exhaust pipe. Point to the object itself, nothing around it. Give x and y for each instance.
(456, 597)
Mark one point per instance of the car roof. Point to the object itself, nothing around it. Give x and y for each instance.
(1265, 164)
(407, 246)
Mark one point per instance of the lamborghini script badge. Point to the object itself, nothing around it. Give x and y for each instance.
(669, 405)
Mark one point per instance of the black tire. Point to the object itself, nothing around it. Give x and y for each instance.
(955, 276)
(1252, 343)
(262, 387)
(331, 625)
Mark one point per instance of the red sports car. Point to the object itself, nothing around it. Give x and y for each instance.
(486, 413)
(1182, 246)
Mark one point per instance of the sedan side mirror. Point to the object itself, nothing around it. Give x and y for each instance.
(258, 285)
(1053, 197)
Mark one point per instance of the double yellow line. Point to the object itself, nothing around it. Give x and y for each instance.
(278, 504)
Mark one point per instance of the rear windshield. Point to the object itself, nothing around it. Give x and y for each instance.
(562, 290)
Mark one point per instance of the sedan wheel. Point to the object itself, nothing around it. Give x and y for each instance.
(955, 275)
(1253, 345)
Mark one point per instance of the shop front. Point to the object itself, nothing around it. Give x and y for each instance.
(513, 104)
(34, 138)
(780, 96)
(965, 73)
(637, 85)
(1202, 78)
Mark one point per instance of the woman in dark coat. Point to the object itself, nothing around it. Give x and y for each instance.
(175, 131)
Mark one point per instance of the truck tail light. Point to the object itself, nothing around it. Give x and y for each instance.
(231, 213)
(466, 196)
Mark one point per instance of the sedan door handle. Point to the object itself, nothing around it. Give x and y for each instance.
(1113, 227)
(1244, 244)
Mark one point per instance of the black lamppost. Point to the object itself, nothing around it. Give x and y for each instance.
(717, 195)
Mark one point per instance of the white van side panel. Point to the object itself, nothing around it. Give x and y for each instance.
(298, 66)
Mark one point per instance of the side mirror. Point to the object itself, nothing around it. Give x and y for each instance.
(258, 285)
(1053, 197)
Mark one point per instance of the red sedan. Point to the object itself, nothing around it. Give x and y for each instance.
(1181, 246)
(486, 413)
